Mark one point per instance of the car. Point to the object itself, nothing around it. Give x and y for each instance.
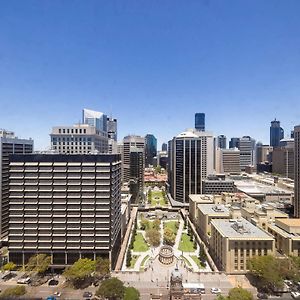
(262, 296)
(58, 294)
(53, 282)
(87, 295)
(215, 291)
(288, 282)
(50, 298)
(25, 280)
(295, 295)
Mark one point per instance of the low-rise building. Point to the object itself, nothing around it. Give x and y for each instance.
(287, 235)
(216, 186)
(194, 200)
(234, 242)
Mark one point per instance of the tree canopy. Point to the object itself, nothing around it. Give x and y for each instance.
(237, 293)
(153, 237)
(102, 266)
(112, 289)
(10, 266)
(13, 292)
(38, 263)
(169, 236)
(131, 294)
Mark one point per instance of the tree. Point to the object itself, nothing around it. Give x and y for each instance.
(156, 224)
(153, 237)
(12, 292)
(131, 294)
(80, 271)
(112, 289)
(38, 263)
(144, 224)
(128, 258)
(169, 236)
(102, 266)
(268, 270)
(202, 254)
(10, 266)
(239, 294)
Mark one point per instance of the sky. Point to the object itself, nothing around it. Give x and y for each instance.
(150, 64)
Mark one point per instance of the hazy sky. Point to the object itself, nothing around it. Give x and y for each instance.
(151, 64)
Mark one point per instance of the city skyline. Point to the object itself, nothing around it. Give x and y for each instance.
(156, 64)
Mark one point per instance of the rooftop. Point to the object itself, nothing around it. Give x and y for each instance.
(213, 209)
(290, 222)
(240, 228)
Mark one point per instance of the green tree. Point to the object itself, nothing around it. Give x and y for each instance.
(13, 292)
(144, 224)
(169, 236)
(153, 237)
(156, 224)
(38, 263)
(131, 294)
(102, 266)
(237, 294)
(10, 266)
(80, 271)
(128, 258)
(112, 289)
(268, 270)
(158, 169)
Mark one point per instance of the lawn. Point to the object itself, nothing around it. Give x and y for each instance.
(197, 261)
(133, 261)
(185, 244)
(171, 225)
(159, 201)
(140, 244)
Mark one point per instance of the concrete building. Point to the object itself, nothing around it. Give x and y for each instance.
(136, 181)
(150, 149)
(200, 121)
(283, 159)
(297, 171)
(190, 161)
(78, 139)
(217, 186)
(247, 152)
(67, 206)
(228, 161)
(130, 142)
(222, 141)
(287, 235)
(9, 144)
(263, 153)
(276, 133)
(234, 242)
(112, 134)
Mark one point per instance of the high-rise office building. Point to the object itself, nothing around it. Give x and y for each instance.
(190, 161)
(200, 121)
(95, 118)
(263, 153)
(297, 171)
(276, 133)
(130, 143)
(78, 139)
(112, 135)
(9, 144)
(136, 182)
(247, 152)
(164, 147)
(234, 143)
(67, 206)
(228, 161)
(222, 141)
(150, 149)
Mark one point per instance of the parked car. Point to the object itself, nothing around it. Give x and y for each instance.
(262, 296)
(295, 295)
(25, 280)
(215, 291)
(58, 294)
(87, 295)
(53, 282)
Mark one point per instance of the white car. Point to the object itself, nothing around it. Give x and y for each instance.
(215, 291)
(295, 295)
(58, 294)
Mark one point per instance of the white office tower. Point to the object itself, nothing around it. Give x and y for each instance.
(228, 161)
(190, 161)
(247, 152)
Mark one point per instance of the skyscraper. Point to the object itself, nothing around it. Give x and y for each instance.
(247, 152)
(136, 182)
(95, 118)
(164, 147)
(112, 135)
(297, 171)
(276, 133)
(200, 121)
(69, 207)
(190, 161)
(9, 144)
(150, 149)
(222, 141)
(234, 143)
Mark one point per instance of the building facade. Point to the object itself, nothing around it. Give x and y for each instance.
(297, 171)
(200, 121)
(190, 161)
(283, 161)
(66, 206)
(247, 152)
(222, 141)
(9, 144)
(136, 182)
(150, 149)
(276, 133)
